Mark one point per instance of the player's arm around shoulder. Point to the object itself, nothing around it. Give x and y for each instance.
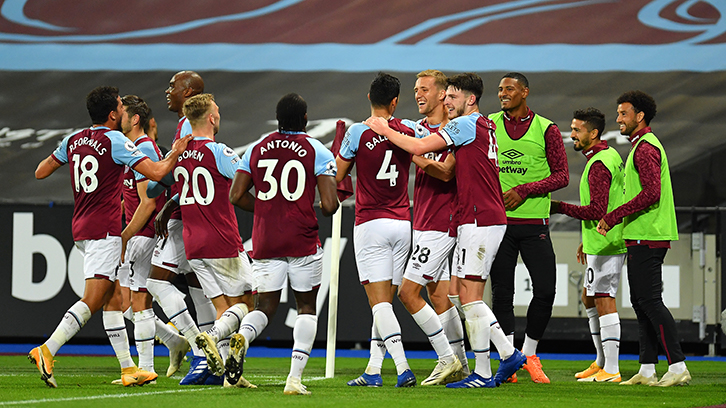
(239, 192)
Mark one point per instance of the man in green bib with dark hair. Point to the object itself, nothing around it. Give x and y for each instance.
(601, 190)
(649, 224)
(532, 164)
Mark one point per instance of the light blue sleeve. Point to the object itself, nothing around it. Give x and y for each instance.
(61, 152)
(351, 141)
(186, 128)
(227, 160)
(146, 148)
(124, 151)
(419, 130)
(460, 131)
(324, 160)
(154, 189)
(244, 163)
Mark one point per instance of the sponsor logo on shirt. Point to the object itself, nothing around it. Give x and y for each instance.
(331, 169)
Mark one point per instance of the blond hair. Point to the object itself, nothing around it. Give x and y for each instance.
(439, 77)
(197, 107)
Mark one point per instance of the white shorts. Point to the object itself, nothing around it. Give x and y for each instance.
(138, 262)
(101, 257)
(602, 276)
(304, 273)
(381, 249)
(429, 261)
(224, 276)
(477, 247)
(169, 253)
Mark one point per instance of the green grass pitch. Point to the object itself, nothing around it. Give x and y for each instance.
(86, 382)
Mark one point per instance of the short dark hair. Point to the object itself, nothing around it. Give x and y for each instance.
(593, 118)
(519, 77)
(291, 113)
(467, 82)
(383, 89)
(100, 102)
(136, 106)
(642, 102)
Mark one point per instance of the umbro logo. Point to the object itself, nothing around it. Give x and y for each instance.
(512, 154)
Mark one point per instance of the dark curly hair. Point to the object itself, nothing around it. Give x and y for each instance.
(642, 102)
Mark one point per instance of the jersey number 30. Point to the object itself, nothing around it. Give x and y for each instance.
(269, 166)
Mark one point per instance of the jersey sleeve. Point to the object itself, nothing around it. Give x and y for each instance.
(124, 151)
(60, 154)
(186, 128)
(146, 148)
(459, 131)
(227, 160)
(351, 141)
(324, 160)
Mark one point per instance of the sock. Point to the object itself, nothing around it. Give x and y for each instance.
(129, 314)
(72, 322)
(389, 329)
(610, 333)
(510, 338)
(478, 328)
(594, 322)
(229, 322)
(457, 303)
(115, 327)
(677, 368)
(647, 370)
(223, 348)
(529, 348)
(206, 313)
(455, 334)
(164, 331)
(303, 335)
(497, 336)
(171, 301)
(378, 351)
(428, 321)
(253, 324)
(144, 331)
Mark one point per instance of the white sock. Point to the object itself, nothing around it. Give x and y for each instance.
(223, 348)
(164, 331)
(610, 333)
(144, 331)
(677, 368)
(377, 353)
(529, 348)
(129, 314)
(115, 327)
(457, 304)
(390, 331)
(206, 313)
(477, 326)
(647, 370)
(497, 336)
(253, 324)
(455, 334)
(72, 322)
(594, 322)
(172, 302)
(303, 335)
(429, 322)
(229, 322)
(510, 339)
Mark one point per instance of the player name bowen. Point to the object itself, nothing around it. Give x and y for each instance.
(194, 154)
(285, 144)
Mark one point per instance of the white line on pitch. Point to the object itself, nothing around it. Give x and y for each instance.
(103, 396)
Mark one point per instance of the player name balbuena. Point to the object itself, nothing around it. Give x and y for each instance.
(375, 140)
(284, 144)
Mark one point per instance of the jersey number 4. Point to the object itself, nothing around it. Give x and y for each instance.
(269, 166)
(388, 171)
